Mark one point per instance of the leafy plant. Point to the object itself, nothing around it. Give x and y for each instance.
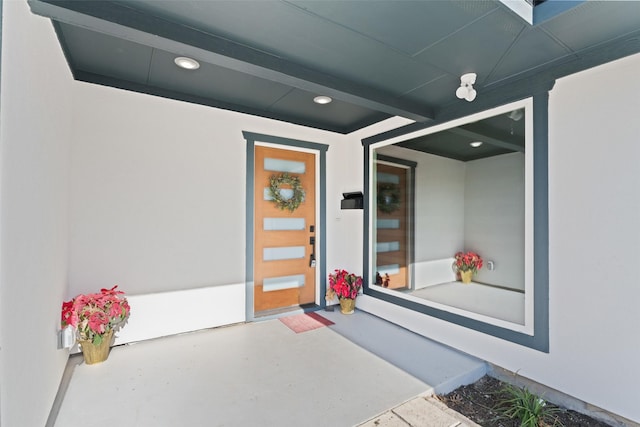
(94, 315)
(344, 285)
(468, 261)
(530, 409)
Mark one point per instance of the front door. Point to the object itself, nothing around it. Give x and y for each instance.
(284, 229)
(392, 256)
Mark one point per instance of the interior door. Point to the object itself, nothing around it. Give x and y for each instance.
(392, 255)
(284, 240)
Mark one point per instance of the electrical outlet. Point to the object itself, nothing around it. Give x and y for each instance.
(66, 338)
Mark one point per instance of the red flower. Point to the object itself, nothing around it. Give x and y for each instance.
(95, 314)
(97, 322)
(345, 284)
(468, 261)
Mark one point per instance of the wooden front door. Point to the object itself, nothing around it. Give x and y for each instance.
(284, 239)
(392, 256)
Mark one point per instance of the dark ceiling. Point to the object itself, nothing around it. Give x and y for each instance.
(376, 59)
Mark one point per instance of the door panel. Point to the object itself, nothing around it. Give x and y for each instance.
(392, 227)
(283, 276)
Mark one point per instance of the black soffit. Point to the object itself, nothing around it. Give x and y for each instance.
(375, 59)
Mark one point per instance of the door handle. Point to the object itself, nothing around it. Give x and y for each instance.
(312, 257)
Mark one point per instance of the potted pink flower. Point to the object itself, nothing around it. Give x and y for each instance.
(467, 264)
(95, 317)
(346, 286)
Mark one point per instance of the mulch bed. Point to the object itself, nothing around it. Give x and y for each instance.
(480, 402)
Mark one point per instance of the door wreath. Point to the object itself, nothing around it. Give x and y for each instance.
(388, 197)
(276, 183)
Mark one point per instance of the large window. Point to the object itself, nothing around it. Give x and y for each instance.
(469, 188)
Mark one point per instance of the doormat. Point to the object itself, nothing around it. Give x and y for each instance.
(305, 322)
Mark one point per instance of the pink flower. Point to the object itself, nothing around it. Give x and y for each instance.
(97, 322)
(468, 261)
(94, 314)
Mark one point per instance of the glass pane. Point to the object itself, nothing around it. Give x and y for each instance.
(388, 223)
(469, 196)
(283, 282)
(388, 178)
(387, 247)
(388, 269)
(286, 193)
(279, 165)
(280, 224)
(286, 252)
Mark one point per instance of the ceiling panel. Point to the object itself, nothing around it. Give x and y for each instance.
(290, 32)
(110, 56)
(375, 58)
(337, 114)
(215, 82)
(595, 22)
(424, 23)
(532, 49)
(453, 146)
(437, 92)
(476, 48)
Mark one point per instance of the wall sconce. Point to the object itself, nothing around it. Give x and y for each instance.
(466, 90)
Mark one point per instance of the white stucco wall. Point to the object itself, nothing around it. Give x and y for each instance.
(594, 204)
(158, 205)
(494, 217)
(34, 138)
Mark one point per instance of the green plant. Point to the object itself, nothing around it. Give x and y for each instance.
(530, 409)
(276, 183)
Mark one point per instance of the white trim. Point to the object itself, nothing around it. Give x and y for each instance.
(169, 313)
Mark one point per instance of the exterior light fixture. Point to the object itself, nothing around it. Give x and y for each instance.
(475, 144)
(466, 90)
(187, 63)
(322, 99)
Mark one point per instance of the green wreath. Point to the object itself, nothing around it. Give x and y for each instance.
(275, 184)
(388, 197)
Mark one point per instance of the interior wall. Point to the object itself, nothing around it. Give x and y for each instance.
(34, 138)
(494, 215)
(594, 205)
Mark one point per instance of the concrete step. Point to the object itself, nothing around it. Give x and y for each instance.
(441, 367)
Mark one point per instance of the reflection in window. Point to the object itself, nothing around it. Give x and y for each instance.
(470, 194)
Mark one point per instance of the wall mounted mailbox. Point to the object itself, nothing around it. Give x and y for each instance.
(351, 200)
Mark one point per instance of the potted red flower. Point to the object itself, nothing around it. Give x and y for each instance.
(95, 317)
(346, 286)
(467, 264)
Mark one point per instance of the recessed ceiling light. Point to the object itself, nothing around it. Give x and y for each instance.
(322, 99)
(475, 144)
(187, 63)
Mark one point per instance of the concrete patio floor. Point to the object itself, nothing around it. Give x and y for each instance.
(360, 371)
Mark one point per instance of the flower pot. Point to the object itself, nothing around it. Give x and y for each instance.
(96, 353)
(465, 276)
(347, 305)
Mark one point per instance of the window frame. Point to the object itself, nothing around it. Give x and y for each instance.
(536, 337)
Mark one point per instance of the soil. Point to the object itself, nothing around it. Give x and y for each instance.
(481, 403)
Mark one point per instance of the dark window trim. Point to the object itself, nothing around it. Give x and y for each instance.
(540, 338)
